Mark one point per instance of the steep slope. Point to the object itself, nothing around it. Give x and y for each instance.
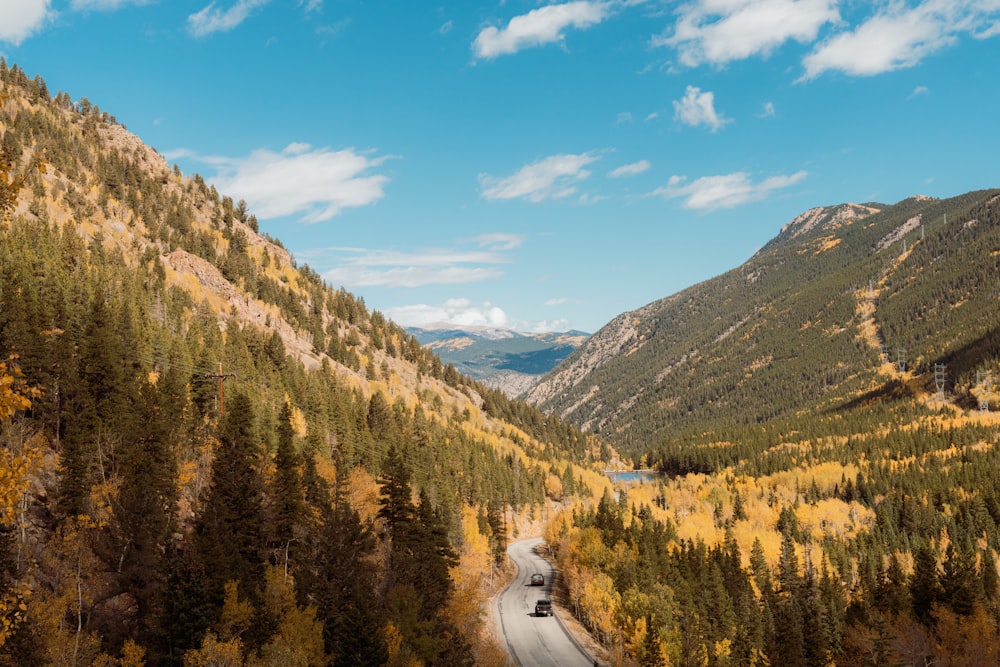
(193, 426)
(783, 333)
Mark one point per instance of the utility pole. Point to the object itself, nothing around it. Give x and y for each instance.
(220, 376)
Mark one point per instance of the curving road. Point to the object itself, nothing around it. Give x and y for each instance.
(534, 641)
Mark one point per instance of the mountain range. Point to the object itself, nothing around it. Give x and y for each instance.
(210, 456)
(502, 358)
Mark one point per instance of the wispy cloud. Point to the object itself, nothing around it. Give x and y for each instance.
(552, 178)
(698, 108)
(538, 27)
(896, 38)
(366, 267)
(23, 18)
(633, 169)
(714, 32)
(211, 19)
(901, 35)
(457, 312)
(498, 241)
(314, 183)
(767, 111)
(919, 90)
(724, 191)
(558, 301)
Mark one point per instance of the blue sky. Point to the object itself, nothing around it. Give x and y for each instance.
(541, 166)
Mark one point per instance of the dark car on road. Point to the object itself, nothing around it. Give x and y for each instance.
(543, 607)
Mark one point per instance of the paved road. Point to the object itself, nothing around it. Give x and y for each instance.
(534, 641)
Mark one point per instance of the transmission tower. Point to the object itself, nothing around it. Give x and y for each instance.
(901, 359)
(984, 383)
(940, 375)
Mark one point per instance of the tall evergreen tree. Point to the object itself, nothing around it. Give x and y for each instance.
(343, 588)
(925, 586)
(229, 533)
(144, 506)
(287, 481)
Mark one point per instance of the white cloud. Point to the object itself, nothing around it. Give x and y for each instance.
(499, 241)
(767, 111)
(919, 90)
(556, 302)
(721, 31)
(212, 19)
(698, 108)
(457, 312)
(538, 27)
(19, 19)
(465, 313)
(630, 169)
(551, 178)
(311, 5)
(896, 38)
(545, 326)
(364, 267)
(724, 191)
(300, 180)
(623, 118)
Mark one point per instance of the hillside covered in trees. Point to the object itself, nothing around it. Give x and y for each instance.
(825, 421)
(211, 457)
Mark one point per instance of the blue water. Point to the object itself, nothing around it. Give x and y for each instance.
(633, 476)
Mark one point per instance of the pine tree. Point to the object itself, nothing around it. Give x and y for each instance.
(342, 586)
(287, 482)
(230, 527)
(145, 502)
(925, 587)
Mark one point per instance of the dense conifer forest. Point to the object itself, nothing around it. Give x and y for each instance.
(208, 456)
(212, 457)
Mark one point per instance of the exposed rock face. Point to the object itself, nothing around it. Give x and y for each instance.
(511, 383)
(616, 338)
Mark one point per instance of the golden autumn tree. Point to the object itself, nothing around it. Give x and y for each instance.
(15, 469)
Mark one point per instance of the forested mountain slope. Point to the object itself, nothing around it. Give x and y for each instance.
(209, 456)
(783, 333)
(825, 419)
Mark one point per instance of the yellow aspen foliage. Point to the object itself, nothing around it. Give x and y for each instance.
(58, 610)
(363, 493)
(133, 655)
(15, 394)
(236, 615)
(299, 639)
(214, 653)
(599, 602)
(553, 487)
(15, 472)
